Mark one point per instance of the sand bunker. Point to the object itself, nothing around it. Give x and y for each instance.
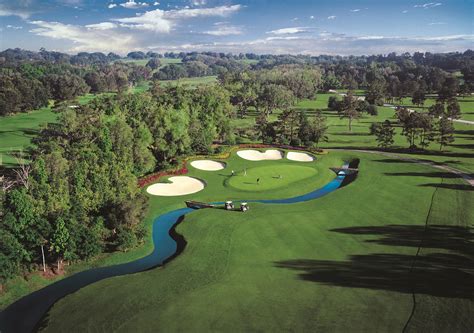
(180, 185)
(255, 155)
(208, 165)
(299, 157)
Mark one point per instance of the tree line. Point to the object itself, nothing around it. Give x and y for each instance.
(79, 196)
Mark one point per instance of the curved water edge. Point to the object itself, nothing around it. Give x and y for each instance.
(25, 314)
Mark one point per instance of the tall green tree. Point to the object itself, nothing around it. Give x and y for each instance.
(445, 132)
(349, 108)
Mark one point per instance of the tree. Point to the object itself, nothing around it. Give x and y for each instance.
(453, 109)
(445, 132)
(59, 243)
(384, 134)
(436, 110)
(418, 97)
(304, 131)
(318, 129)
(333, 103)
(287, 125)
(449, 89)
(375, 92)
(349, 109)
(275, 96)
(154, 63)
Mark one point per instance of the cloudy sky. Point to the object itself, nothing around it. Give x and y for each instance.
(262, 26)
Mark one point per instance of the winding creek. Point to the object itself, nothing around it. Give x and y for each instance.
(25, 314)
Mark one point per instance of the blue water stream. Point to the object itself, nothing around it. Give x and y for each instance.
(25, 314)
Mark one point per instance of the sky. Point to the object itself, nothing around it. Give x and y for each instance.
(312, 27)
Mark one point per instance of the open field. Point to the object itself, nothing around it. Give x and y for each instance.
(191, 81)
(358, 251)
(466, 103)
(17, 131)
(143, 62)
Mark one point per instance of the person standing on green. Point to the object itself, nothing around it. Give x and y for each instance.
(258, 181)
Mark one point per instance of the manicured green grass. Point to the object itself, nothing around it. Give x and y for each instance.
(459, 154)
(191, 81)
(270, 177)
(17, 131)
(143, 62)
(348, 261)
(466, 103)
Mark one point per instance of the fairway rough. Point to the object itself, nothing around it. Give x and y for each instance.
(208, 165)
(180, 185)
(299, 157)
(255, 155)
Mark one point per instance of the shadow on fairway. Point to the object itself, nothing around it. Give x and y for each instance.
(459, 187)
(436, 274)
(434, 174)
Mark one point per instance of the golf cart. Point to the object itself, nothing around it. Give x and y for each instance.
(244, 207)
(229, 205)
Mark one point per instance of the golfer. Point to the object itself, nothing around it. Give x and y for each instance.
(258, 181)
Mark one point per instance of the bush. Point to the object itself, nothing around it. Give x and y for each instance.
(372, 110)
(126, 239)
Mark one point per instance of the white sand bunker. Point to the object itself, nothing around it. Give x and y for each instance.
(299, 157)
(255, 155)
(180, 185)
(208, 165)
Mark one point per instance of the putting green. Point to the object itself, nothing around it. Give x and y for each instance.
(271, 177)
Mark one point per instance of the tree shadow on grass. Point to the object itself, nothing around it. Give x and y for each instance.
(445, 274)
(441, 275)
(433, 174)
(458, 187)
(463, 146)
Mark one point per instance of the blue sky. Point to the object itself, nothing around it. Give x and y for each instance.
(261, 26)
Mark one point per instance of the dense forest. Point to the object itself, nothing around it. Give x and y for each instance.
(79, 196)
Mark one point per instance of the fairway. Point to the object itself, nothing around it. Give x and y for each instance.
(17, 131)
(270, 177)
(297, 266)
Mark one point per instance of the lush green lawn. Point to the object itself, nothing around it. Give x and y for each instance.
(459, 154)
(344, 262)
(143, 62)
(17, 131)
(270, 177)
(191, 81)
(466, 103)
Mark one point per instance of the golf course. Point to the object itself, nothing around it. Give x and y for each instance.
(297, 266)
(236, 166)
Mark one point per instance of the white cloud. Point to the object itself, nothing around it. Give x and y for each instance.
(355, 10)
(311, 17)
(102, 26)
(437, 23)
(200, 12)
(198, 2)
(20, 8)
(112, 5)
(332, 43)
(224, 30)
(153, 20)
(85, 38)
(156, 3)
(131, 4)
(14, 27)
(163, 21)
(288, 31)
(405, 11)
(428, 5)
(332, 17)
